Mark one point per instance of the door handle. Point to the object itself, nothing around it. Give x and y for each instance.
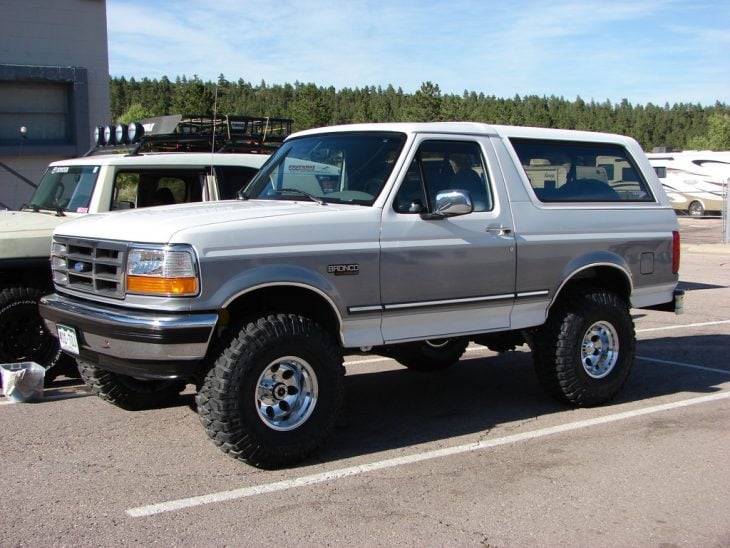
(499, 230)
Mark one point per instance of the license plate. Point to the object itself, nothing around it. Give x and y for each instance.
(67, 339)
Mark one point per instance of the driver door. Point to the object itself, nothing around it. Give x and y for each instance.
(455, 275)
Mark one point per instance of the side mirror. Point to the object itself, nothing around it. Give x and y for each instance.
(450, 203)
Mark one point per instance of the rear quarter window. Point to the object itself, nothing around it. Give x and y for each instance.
(561, 171)
(231, 179)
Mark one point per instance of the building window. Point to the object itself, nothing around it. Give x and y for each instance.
(51, 103)
(42, 108)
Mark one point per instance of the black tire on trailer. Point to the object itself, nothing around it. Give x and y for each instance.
(274, 394)
(584, 352)
(429, 355)
(127, 392)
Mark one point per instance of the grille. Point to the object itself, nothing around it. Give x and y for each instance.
(90, 266)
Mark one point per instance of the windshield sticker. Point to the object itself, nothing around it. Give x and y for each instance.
(61, 169)
(82, 210)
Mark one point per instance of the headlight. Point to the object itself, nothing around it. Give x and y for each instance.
(162, 271)
(58, 263)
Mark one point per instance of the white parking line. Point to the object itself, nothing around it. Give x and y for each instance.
(682, 326)
(680, 364)
(332, 475)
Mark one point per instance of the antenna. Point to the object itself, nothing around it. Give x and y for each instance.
(215, 117)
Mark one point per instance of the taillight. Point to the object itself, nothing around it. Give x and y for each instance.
(675, 252)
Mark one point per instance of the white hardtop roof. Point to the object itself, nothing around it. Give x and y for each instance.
(168, 159)
(470, 128)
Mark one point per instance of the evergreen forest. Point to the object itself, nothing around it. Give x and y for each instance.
(679, 126)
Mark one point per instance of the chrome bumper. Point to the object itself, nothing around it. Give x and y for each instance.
(137, 343)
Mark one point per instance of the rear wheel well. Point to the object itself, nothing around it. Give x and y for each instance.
(603, 277)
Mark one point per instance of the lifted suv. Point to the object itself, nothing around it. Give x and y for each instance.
(118, 175)
(408, 240)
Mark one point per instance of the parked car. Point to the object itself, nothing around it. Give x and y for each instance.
(408, 240)
(159, 161)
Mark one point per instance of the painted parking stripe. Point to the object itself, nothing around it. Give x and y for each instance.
(332, 475)
(683, 326)
(681, 364)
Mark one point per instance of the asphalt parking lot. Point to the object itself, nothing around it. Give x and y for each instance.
(476, 455)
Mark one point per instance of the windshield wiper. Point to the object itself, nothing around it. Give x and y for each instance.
(312, 197)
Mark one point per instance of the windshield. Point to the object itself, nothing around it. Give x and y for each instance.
(65, 188)
(341, 168)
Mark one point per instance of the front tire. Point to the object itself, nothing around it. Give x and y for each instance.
(584, 352)
(24, 335)
(274, 394)
(129, 392)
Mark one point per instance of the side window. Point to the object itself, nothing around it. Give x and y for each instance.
(561, 171)
(151, 188)
(440, 166)
(124, 195)
(170, 190)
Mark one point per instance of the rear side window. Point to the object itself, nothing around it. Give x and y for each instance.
(231, 179)
(561, 171)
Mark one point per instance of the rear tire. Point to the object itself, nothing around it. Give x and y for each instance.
(429, 355)
(129, 392)
(584, 352)
(274, 394)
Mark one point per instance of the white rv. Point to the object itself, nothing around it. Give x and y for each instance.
(695, 181)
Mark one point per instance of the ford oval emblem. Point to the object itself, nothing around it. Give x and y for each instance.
(80, 267)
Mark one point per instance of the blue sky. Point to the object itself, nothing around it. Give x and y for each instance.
(645, 51)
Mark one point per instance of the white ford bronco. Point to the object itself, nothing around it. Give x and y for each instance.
(404, 239)
(161, 163)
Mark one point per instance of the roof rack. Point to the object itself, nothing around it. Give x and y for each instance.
(193, 133)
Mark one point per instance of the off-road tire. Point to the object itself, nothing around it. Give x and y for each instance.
(431, 355)
(23, 335)
(584, 352)
(274, 358)
(129, 392)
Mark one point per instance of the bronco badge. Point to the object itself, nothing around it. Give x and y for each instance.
(343, 269)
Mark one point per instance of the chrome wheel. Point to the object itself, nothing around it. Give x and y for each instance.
(437, 343)
(599, 350)
(286, 393)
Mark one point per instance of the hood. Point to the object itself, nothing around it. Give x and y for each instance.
(160, 224)
(29, 221)
(27, 233)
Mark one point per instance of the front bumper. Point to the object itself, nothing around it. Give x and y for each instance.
(154, 345)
